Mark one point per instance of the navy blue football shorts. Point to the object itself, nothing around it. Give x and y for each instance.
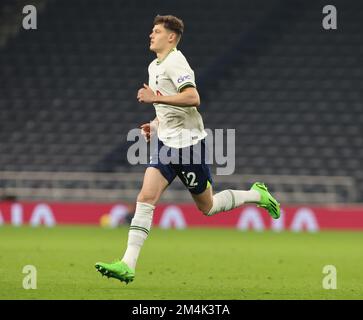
(188, 163)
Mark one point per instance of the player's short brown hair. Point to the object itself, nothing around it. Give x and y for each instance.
(171, 23)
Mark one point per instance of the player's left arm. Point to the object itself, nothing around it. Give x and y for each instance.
(187, 97)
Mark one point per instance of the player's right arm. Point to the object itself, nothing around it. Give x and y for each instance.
(148, 129)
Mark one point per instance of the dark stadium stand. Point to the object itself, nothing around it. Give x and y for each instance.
(292, 90)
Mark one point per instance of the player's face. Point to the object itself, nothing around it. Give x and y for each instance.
(160, 38)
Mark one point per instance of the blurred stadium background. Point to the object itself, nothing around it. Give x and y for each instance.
(292, 91)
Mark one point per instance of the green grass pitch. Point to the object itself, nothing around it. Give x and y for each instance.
(181, 264)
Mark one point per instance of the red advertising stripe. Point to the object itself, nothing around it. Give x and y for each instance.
(295, 218)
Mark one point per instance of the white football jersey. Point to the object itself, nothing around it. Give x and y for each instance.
(179, 127)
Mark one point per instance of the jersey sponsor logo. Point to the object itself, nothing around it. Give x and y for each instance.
(183, 78)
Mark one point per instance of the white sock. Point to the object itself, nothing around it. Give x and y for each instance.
(229, 199)
(139, 230)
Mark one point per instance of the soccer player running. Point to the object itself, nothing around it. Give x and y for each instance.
(178, 126)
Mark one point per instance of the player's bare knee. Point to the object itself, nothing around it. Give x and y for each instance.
(146, 197)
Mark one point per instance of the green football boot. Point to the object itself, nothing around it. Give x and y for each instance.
(267, 200)
(118, 270)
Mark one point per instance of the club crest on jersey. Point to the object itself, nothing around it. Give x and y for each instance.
(183, 78)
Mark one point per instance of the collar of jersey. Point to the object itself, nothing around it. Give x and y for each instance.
(160, 61)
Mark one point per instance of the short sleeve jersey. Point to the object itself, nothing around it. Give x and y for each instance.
(179, 127)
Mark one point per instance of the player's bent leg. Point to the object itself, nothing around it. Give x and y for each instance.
(153, 186)
(204, 200)
(229, 199)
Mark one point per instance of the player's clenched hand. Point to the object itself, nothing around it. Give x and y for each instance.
(148, 129)
(145, 131)
(146, 95)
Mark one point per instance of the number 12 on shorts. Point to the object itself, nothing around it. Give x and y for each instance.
(190, 179)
